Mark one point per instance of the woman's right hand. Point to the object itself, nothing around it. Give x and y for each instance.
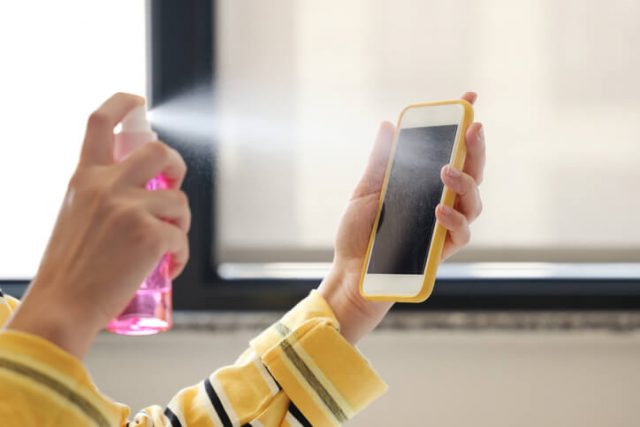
(110, 233)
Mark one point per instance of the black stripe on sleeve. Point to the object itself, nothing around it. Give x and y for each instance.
(293, 409)
(173, 418)
(217, 404)
(272, 377)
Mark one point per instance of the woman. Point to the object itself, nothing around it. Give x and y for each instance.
(304, 370)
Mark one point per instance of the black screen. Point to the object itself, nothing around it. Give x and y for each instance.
(414, 190)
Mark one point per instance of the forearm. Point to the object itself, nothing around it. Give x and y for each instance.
(58, 319)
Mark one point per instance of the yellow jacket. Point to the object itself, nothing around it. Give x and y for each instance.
(298, 372)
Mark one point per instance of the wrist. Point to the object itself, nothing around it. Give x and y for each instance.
(356, 316)
(60, 323)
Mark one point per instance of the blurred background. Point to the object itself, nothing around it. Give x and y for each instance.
(275, 104)
(558, 92)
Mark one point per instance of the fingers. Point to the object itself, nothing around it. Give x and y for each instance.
(98, 143)
(151, 160)
(468, 200)
(167, 205)
(465, 185)
(177, 245)
(476, 156)
(455, 223)
(470, 97)
(373, 177)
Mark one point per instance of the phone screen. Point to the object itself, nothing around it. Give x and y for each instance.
(407, 219)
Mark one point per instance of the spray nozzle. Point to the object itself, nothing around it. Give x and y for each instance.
(136, 121)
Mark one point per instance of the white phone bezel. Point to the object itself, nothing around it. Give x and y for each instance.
(410, 285)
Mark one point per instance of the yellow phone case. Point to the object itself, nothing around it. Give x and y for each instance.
(458, 155)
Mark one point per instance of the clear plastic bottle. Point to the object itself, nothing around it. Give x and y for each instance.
(149, 312)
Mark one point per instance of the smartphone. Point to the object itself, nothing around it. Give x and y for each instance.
(406, 241)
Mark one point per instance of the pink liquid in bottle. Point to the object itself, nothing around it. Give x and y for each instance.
(149, 312)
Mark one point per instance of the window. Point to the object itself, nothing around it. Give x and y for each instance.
(301, 88)
(60, 60)
(275, 105)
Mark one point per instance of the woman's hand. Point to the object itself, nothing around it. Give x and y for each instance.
(109, 235)
(356, 315)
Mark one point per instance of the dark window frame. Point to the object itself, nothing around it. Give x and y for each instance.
(181, 57)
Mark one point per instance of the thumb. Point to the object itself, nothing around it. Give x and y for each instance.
(371, 181)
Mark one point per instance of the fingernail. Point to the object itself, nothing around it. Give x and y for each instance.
(452, 172)
(446, 209)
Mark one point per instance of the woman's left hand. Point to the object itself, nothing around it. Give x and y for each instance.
(340, 288)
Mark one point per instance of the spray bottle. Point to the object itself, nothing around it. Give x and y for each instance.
(149, 311)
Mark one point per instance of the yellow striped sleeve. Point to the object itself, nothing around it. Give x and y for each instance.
(327, 379)
(299, 372)
(40, 384)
